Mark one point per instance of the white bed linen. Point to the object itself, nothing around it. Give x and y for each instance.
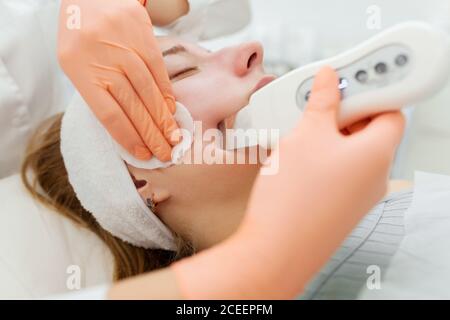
(421, 267)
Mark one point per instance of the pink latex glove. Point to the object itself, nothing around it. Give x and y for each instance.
(114, 61)
(297, 218)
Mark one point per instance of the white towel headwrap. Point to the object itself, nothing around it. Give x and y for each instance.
(102, 183)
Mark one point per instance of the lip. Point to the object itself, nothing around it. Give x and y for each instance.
(264, 82)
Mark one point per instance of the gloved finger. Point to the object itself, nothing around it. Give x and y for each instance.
(384, 133)
(116, 123)
(147, 89)
(360, 125)
(325, 96)
(154, 60)
(139, 116)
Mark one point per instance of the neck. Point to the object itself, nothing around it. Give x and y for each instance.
(217, 221)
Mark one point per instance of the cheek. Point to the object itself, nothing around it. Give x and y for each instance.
(212, 99)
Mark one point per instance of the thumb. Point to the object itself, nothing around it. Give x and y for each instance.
(325, 95)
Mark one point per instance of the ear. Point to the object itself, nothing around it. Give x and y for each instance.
(147, 188)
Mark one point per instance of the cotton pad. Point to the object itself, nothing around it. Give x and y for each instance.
(186, 123)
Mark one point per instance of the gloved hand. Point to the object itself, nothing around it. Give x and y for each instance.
(114, 61)
(297, 218)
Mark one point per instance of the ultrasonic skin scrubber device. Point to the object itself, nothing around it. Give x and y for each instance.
(396, 68)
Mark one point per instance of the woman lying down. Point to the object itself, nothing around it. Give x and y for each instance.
(151, 218)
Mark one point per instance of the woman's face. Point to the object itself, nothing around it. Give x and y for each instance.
(214, 86)
(206, 202)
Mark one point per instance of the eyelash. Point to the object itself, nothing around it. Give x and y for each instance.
(182, 72)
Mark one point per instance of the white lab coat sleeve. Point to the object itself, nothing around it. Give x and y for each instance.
(195, 5)
(209, 19)
(32, 86)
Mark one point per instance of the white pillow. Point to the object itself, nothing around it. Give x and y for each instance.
(41, 251)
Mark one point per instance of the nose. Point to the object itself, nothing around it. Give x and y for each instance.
(246, 57)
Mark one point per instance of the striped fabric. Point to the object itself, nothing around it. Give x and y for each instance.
(373, 242)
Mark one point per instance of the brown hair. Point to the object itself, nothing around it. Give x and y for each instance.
(45, 177)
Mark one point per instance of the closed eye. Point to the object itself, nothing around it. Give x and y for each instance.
(183, 73)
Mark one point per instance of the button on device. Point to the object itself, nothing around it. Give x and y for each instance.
(308, 94)
(343, 84)
(401, 60)
(362, 76)
(381, 68)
